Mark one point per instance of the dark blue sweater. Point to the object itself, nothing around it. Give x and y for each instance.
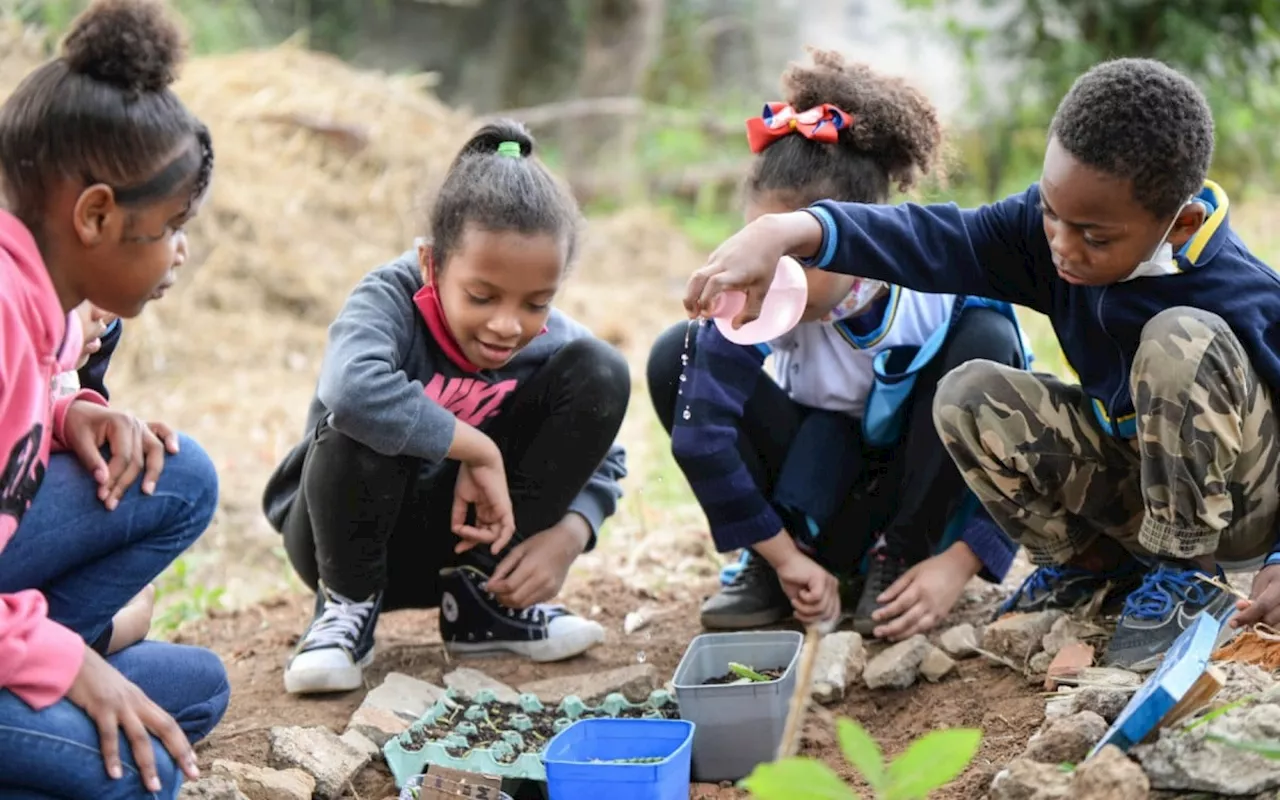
(718, 382)
(1000, 251)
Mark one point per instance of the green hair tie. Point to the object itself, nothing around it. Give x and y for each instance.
(509, 149)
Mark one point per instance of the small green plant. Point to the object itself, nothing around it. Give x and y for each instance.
(928, 763)
(743, 671)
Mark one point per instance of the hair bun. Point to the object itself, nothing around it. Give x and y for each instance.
(492, 137)
(133, 44)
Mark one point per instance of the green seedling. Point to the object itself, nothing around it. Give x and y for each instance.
(928, 763)
(743, 671)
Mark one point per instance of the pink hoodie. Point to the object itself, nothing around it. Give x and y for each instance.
(39, 658)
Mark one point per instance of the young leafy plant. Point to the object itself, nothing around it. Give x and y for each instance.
(743, 671)
(928, 763)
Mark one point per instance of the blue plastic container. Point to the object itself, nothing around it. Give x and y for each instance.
(581, 760)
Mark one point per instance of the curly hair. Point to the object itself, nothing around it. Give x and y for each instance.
(895, 137)
(1142, 121)
(103, 112)
(498, 190)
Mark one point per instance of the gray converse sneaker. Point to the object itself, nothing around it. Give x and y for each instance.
(752, 598)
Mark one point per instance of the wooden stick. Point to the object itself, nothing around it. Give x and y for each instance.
(800, 699)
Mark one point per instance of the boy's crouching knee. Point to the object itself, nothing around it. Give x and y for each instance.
(1177, 344)
(967, 386)
(1184, 323)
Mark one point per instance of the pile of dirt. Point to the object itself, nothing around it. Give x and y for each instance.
(323, 172)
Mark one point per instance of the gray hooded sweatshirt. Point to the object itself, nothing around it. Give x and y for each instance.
(387, 383)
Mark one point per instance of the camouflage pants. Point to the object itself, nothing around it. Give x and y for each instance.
(1200, 478)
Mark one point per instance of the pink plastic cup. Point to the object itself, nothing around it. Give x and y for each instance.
(781, 311)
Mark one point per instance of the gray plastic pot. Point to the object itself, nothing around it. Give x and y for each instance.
(738, 726)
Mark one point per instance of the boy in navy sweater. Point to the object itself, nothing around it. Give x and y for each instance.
(1161, 463)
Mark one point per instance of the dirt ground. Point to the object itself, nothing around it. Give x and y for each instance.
(255, 642)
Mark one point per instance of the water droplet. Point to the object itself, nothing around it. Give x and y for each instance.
(686, 414)
(684, 359)
(640, 656)
(682, 377)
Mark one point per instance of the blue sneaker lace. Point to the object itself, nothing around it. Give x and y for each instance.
(1037, 583)
(1162, 589)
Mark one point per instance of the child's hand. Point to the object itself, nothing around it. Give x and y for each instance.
(534, 571)
(134, 448)
(484, 485)
(925, 595)
(814, 593)
(748, 260)
(166, 435)
(1263, 604)
(118, 706)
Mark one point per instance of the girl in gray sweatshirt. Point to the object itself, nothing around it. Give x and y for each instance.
(459, 452)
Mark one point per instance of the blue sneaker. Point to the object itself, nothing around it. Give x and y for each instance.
(1066, 588)
(1158, 611)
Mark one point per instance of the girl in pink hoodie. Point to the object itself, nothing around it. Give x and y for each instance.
(100, 167)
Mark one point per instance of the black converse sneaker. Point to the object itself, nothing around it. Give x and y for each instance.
(337, 646)
(472, 621)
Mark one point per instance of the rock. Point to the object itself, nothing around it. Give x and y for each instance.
(259, 783)
(897, 667)
(319, 753)
(467, 682)
(635, 682)
(960, 641)
(213, 788)
(1039, 663)
(840, 660)
(378, 725)
(1061, 705)
(1066, 740)
(1020, 636)
(395, 704)
(1106, 703)
(1065, 631)
(362, 744)
(936, 665)
(1028, 780)
(1110, 775)
(1110, 676)
(1242, 680)
(1070, 662)
(1188, 760)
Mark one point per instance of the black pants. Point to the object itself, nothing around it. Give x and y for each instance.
(364, 522)
(908, 493)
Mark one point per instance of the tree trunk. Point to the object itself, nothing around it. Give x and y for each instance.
(621, 39)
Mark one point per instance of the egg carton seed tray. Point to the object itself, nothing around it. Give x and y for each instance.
(491, 737)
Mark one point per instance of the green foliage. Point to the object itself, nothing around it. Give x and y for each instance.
(928, 763)
(181, 599)
(1266, 749)
(1231, 49)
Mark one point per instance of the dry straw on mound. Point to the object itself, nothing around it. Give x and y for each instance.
(321, 172)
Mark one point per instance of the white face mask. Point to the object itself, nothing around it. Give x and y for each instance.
(863, 294)
(1161, 261)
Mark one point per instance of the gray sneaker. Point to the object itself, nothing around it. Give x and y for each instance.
(1157, 612)
(753, 598)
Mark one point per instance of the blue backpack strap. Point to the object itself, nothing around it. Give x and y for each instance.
(896, 369)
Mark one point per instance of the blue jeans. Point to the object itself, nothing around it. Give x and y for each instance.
(89, 562)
